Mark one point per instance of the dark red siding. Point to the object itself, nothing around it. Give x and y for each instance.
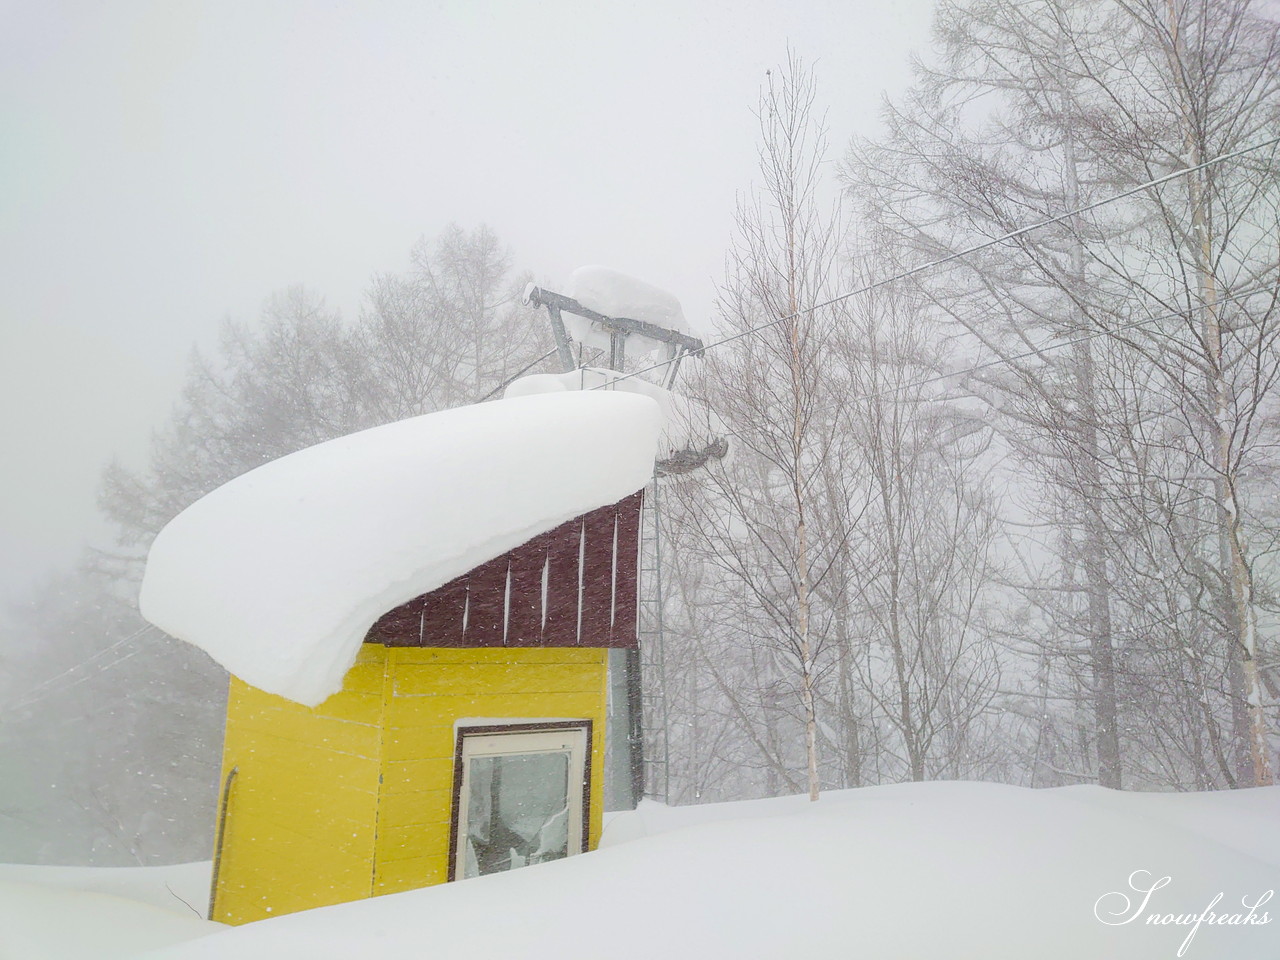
(626, 601)
(597, 575)
(524, 612)
(588, 566)
(564, 547)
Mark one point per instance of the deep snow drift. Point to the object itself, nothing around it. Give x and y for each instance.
(99, 913)
(182, 889)
(279, 573)
(910, 872)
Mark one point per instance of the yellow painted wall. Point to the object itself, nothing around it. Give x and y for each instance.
(353, 798)
(301, 811)
(433, 688)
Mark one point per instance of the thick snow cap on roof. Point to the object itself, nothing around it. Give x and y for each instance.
(279, 574)
(688, 427)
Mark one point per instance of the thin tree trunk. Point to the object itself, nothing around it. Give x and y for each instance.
(1253, 762)
(1101, 652)
(802, 545)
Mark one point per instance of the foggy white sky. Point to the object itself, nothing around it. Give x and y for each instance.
(166, 165)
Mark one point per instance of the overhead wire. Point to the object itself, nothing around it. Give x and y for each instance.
(43, 691)
(517, 375)
(46, 685)
(1057, 344)
(968, 251)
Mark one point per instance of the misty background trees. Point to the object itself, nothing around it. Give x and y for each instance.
(111, 732)
(1146, 432)
(1011, 518)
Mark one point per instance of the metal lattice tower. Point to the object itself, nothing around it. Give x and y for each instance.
(652, 635)
(649, 733)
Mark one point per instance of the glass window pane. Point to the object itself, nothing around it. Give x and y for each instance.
(517, 811)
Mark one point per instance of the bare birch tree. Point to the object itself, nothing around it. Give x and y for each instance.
(919, 568)
(768, 384)
(1154, 415)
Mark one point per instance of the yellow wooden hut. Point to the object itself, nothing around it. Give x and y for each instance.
(417, 620)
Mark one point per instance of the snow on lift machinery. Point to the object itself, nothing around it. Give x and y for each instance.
(676, 345)
(648, 738)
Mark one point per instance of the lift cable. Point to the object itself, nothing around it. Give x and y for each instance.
(961, 254)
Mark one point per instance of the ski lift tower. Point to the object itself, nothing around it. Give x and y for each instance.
(617, 330)
(617, 315)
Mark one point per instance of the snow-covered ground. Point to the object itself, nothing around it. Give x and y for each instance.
(69, 913)
(905, 872)
(182, 889)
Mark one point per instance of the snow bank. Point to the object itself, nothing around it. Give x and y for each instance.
(279, 574)
(182, 888)
(958, 870)
(688, 426)
(1247, 821)
(58, 923)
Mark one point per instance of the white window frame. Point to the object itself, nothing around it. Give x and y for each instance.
(499, 738)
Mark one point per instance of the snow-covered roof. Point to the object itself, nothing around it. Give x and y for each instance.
(279, 573)
(689, 428)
